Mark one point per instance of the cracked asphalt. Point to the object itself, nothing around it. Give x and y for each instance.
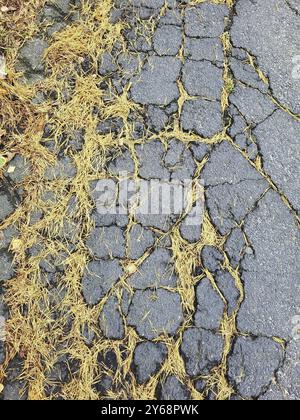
(148, 306)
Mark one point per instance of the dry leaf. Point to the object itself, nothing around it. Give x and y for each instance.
(11, 169)
(5, 9)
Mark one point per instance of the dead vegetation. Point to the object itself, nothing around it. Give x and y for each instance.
(39, 328)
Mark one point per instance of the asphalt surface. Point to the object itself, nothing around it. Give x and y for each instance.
(218, 95)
